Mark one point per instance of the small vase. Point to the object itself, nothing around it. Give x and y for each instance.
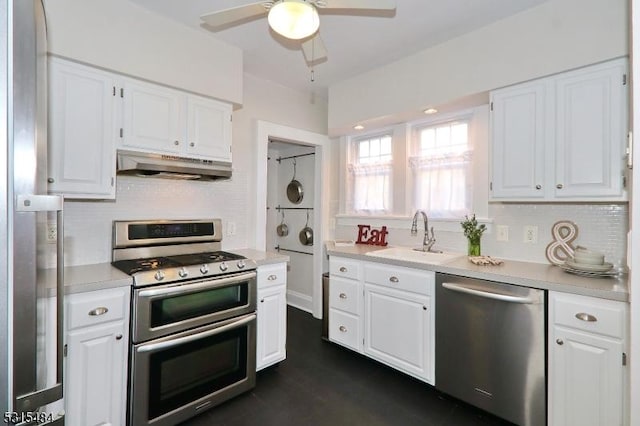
(473, 248)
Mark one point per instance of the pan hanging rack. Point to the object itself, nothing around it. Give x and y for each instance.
(279, 159)
(279, 208)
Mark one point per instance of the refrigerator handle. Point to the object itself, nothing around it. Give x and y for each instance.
(48, 203)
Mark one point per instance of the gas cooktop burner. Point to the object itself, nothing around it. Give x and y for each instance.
(132, 266)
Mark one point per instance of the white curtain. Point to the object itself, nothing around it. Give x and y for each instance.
(442, 184)
(371, 187)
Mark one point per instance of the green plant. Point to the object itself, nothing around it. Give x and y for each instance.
(472, 230)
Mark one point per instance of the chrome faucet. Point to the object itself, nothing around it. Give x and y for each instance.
(428, 241)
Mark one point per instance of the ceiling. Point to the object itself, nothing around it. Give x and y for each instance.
(355, 43)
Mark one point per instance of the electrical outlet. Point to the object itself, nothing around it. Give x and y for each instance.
(52, 232)
(502, 233)
(231, 228)
(530, 234)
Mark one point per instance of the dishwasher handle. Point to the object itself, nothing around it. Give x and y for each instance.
(490, 295)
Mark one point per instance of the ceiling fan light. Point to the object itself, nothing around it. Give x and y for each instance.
(294, 19)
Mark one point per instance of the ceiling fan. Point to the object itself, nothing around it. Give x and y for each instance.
(295, 19)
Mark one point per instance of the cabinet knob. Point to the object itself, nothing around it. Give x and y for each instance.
(342, 328)
(424, 308)
(261, 300)
(176, 143)
(272, 277)
(98, 311)
(51, 180)
(192, 144)
(560, 342)
(342, 296)
(118, 336)
(559, 186)
(583, 316)
(394, 279)
(538, 187)
(343, 269)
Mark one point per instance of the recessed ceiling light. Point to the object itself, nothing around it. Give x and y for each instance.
(430, 111)
(358, 127)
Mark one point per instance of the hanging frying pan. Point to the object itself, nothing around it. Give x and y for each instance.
(294, 189)
(306, 234)
(282, 230)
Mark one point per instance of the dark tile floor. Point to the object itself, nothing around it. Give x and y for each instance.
(322, 384)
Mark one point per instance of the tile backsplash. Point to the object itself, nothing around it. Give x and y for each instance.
(88, 224)
(601, 227)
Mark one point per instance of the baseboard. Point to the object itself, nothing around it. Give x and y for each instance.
(300, 301)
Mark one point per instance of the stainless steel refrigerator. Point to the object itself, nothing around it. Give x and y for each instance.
(31, 304)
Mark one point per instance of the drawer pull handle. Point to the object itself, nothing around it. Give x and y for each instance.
(119, 337)
(394, 279)
(343, 269)
(560, 342)
(343, 329)
(272, 277)
(582, 316)
(343, 296)
(98, 311)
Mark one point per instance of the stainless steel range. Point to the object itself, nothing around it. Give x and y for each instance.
(193, 320)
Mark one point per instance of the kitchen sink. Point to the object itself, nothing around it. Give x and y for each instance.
(411, 255)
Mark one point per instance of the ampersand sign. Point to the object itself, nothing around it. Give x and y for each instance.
(560, 249)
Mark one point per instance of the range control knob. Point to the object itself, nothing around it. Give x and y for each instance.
(204, 269)
(223, 267)
(241, 264)
(183, 272)
(159, 276)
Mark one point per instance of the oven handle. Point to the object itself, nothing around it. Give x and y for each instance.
(181, 340)
(182, 288)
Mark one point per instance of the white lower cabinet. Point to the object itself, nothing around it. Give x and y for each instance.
(397, 330)
(385, 312)
(271, 344)
(587, 357)
(96, 340)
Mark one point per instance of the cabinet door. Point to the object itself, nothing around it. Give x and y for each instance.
(518, 127)
(95, 386)
(81, 150)
(585, 379)
(398, 330)
(153, 118)
(591, 132)
(209, 128)
(272, 326)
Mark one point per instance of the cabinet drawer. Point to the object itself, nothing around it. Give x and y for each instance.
(270, 275)
(600, 316)
(398, 277)
(96, 307)
(346, 268)
(343, 329)
(344, 295)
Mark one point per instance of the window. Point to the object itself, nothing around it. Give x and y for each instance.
(370, 171)
(441, 168)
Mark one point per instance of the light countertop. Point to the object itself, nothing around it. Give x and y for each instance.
(528, 274)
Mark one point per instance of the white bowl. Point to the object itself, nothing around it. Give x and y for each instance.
(588, 257)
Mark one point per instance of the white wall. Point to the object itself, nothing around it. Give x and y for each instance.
(121, 36)
(555, 36)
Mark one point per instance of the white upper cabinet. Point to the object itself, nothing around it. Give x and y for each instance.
(162, 120)
(81, 150)
(152, 117)
(561, 137)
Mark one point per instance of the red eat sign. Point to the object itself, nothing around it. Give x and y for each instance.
(373, 237)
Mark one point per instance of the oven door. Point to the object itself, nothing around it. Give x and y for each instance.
(176, 377)
(162, 310)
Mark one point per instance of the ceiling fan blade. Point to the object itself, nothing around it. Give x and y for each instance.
(228, 17)
(360, 4)
(314, 50)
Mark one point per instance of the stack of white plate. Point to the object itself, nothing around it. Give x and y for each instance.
(588, 263)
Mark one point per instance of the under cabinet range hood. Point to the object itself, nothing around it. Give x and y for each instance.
(167, 166)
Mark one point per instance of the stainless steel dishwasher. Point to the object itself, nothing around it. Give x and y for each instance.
(490, 347)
